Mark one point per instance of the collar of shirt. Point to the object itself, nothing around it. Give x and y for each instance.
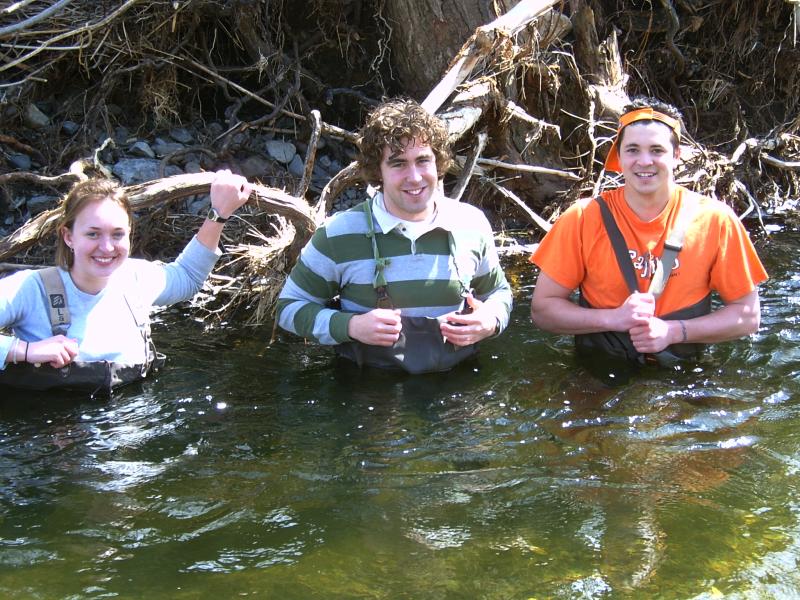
(411, 229)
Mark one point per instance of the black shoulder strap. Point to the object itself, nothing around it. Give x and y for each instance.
(672, 246)
(619, 245)
(56, 300)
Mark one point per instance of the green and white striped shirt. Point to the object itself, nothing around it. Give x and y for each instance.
(423, 279)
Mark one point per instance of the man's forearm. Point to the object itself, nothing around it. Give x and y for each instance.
(732, 321)
(561, 315)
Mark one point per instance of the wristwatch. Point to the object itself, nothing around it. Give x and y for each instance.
(213, 215)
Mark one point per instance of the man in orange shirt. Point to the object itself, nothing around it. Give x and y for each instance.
(618, 312)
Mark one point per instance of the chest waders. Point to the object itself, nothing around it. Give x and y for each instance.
(95, 377)
(420, 347)
(618, 343)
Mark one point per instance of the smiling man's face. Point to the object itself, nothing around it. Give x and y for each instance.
(648, 159)
(409, 179)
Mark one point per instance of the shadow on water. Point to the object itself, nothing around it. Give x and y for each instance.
(276, 471)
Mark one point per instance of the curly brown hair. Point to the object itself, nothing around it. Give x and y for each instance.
(81, 195)
(394, 123)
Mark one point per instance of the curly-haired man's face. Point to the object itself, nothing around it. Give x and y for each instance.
(409, 179)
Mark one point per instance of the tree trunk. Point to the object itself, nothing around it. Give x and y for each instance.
(427, 34)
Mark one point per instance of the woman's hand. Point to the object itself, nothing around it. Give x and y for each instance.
(229, 192)
(56, 351)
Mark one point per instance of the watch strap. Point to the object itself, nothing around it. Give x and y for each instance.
(213, 215)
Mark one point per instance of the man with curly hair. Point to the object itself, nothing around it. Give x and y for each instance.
(647, 256)
(407, 279)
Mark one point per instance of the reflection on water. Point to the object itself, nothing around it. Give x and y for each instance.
(246, 470)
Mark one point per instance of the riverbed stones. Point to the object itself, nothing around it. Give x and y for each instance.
(37, 204)
(133, 159)
(254, 167)
(70, 127)
(35, 118)
(281, 151)
(296, 166)
(164, 147)
(139, 170)
(181, 135)
(20, 161)
(142, 149)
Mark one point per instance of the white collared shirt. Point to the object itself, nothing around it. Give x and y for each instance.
(412, 230)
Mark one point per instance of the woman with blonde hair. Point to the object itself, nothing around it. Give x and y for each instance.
(84, 324)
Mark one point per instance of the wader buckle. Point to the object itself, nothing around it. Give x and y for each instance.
(384, 301)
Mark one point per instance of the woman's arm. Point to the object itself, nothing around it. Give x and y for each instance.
(182, 278)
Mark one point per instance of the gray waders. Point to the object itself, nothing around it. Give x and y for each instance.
(618, 343)
(98, 378)
(420, 347)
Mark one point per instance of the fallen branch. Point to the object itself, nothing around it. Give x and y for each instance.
(169, 189)
(327, 128)
(469, 165)
(467, 108)
(536, 219)
(339, 182)
(43, 180)
(480, 44)
(6, 31)
(781, 164)
(516, 111)
(311, 153)
(529, 169)
(22, 147)
(85, 40)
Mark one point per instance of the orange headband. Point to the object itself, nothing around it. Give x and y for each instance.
(640, 114)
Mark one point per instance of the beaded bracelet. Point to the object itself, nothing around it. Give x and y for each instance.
(683, 331)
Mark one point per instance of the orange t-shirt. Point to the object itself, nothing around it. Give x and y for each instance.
(717, 253)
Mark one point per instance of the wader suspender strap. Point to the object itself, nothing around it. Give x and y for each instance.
(672, 245)
(620, 248)
(379, 281)
(56, 300)
(451, 242)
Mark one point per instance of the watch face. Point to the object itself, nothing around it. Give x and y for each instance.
(213, 215)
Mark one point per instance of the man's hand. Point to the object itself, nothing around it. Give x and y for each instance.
(655, 335)
(649, 334)
(378, 327)
(57, 351)
(463, 330)
(634, 312)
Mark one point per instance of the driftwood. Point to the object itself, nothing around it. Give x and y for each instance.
(163, 191)
(480, 44)
(469, 166)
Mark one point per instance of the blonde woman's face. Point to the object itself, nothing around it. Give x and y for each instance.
(100, 242)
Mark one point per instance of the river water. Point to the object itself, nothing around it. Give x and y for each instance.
(247, 470)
